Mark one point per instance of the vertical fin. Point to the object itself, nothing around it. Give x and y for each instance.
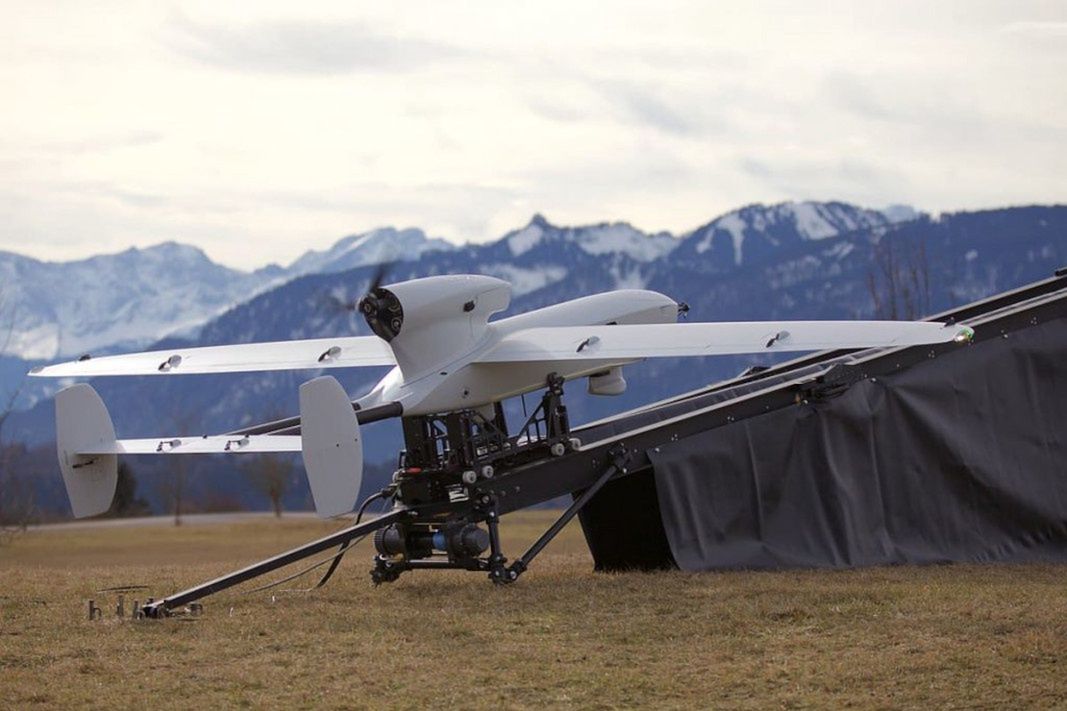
(82, 421)
(332, 446)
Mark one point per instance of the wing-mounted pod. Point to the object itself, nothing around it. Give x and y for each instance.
(331, 445)
(84, 425)
(608, 382)
(428, 322)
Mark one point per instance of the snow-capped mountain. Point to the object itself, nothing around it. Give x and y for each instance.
(603, 238)
(114, 301)
(755, 231)
(378, 246)
(127, 300)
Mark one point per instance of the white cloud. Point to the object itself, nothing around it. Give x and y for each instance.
(1036, 29)
(259, 131)
(301, 47)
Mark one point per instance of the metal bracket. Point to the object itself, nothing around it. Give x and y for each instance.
(832, 383)
(620, 459)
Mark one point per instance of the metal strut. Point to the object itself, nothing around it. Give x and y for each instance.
(499, 574)
(159, 608)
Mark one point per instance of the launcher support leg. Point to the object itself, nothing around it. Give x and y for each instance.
(159, 608)
(497, 571)
(619, 460)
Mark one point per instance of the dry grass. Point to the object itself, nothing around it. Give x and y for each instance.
(950, 636)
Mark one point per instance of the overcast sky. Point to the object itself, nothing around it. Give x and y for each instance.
(262, 130)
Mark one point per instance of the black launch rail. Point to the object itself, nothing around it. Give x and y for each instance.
(598, 448)
(809, 378)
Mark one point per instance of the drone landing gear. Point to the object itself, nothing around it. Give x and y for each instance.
(502, 576)
(397, 548)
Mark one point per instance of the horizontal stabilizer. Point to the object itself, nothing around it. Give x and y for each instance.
(214, 444)
(332, 446)
(84, 426)
(346, 352)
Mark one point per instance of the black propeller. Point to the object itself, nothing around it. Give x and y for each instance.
(336, 304)
(379, 276)
(379, 306)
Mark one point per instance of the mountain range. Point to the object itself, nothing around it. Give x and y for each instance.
(790, 260)
(127, 300)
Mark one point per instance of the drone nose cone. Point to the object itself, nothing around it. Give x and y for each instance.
(367, 305)
(383, 313)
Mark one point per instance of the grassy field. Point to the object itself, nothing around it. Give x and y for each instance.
(947, 636)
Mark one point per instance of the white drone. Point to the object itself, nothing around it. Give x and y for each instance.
(448, 357)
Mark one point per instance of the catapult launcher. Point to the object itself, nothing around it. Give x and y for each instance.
(463, 465)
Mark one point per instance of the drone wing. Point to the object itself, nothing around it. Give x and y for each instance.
(706, 339)
(348, 352)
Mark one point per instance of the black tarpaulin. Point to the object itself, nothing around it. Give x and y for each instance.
(958, 458)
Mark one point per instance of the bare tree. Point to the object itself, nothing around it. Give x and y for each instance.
(17, 502)
(172, 485)
(899, 280)
(126, 502)
(271, 475)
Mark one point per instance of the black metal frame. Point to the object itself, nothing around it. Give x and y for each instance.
(485, 509)
(454, 472)
(457, 458)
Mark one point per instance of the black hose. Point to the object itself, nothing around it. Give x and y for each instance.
(334, 558)
(344, 546)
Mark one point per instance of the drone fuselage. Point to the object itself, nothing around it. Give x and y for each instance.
(435, 371)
